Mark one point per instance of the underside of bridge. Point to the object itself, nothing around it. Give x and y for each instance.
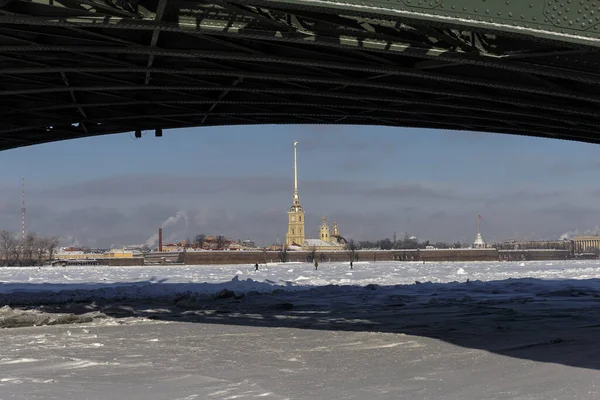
(76, 68)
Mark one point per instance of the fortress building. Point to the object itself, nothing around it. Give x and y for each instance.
(325, 240)
(295, 236)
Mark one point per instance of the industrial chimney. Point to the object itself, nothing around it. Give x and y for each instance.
(160, 239)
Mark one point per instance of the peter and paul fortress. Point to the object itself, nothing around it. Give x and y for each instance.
(295, 236)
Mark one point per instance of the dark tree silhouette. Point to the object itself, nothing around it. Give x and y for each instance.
(352, 247)
(313, 253)
(283, 254)
(199, 240)
(220, 242)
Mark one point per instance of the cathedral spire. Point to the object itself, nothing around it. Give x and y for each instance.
(295, 233)
(295, 173)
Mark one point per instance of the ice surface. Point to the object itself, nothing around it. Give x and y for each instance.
(140, 282)
(464, 331)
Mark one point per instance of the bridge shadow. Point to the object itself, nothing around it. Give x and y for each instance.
(546, 321)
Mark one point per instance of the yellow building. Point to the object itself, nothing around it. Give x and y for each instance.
(75, 255)
(295, 236)
(118, 253)
(170, 247)
(326, 241)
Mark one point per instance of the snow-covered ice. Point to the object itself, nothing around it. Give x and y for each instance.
(379, 331)
(137, 282)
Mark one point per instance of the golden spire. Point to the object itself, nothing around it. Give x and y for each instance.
(295, 173)
(295, 233)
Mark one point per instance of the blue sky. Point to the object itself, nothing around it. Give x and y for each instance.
(112, 190)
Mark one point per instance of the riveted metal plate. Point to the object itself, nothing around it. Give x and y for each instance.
(496, 11)
(575, 21)
(573, 14)
(425, 4)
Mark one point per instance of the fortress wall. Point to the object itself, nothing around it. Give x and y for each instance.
(447, 255)
(252, 257)
(124, 262)
(534, 255)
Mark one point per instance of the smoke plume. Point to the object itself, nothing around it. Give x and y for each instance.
(180, 216)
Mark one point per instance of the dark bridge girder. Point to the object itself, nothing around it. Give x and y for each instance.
(76, 68)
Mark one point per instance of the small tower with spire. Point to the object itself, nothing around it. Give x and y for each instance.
(324, 230)
(479, 243)
(336, 230)
(295, 232)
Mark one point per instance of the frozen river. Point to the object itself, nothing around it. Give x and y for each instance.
(380, 331)
(166, 280)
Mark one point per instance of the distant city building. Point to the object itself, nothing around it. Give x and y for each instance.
(171, 247)
(249, 243)
(586, 244)
(534, 245)
(72, 253)
(210, 243)
(120, 253)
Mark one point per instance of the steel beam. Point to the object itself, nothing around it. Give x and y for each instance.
(180, 63)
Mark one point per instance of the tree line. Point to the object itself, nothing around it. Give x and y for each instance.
(200, 241)
(407, 243)
(352, 247)
(33, 250)
(535, 245)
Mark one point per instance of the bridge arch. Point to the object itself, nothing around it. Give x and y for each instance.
(88, 67)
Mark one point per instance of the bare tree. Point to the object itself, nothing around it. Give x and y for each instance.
(386, 244)
(41, 246)
(52, 246)
(16, 252)
(29, 248)
(199, 240)
(220, 242)
(313, 253)
(284, 254)
(7, 245)
(352, 247)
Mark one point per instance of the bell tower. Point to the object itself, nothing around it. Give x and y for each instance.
(295, 232)
(324, 230)
(336, 230)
